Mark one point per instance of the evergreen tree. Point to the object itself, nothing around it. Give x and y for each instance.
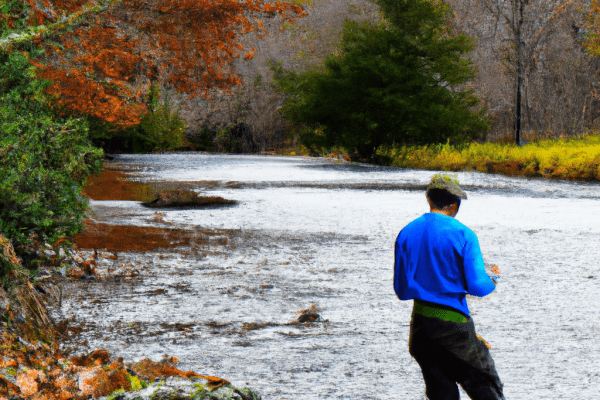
(392, 82)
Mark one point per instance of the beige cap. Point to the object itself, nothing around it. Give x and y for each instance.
(448, 183)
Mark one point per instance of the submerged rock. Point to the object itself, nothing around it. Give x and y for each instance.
(311, 314)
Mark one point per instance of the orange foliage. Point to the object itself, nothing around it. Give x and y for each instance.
(151, 370)
(102, 66)
(81, 94)
(70, 5)
(43, 374)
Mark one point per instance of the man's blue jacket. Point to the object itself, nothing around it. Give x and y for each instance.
(438, 259)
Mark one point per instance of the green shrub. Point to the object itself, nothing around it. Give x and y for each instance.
(44, 159)
(203, 140)
(231, 138)
(161, 128)
(12, 10)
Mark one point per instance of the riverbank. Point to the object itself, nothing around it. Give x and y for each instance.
(34, 365)
(37, 359)
(576, 159)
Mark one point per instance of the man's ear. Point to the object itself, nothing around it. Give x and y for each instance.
(454, 208)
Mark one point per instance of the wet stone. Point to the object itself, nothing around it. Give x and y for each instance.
(49, 253)
(309, 315)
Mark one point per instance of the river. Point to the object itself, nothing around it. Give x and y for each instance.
(313, 231)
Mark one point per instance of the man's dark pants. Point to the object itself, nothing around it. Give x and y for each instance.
(451, 353)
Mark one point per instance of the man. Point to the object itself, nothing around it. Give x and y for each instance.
(437, 263)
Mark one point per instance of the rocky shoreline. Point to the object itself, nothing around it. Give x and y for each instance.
(33, 366)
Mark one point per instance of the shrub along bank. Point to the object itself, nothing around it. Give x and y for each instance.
(44, 159)
(573, 159)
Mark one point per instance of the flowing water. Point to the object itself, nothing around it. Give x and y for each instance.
(313, 231)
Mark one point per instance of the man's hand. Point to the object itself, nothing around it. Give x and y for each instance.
(494, 272)
(495, 269)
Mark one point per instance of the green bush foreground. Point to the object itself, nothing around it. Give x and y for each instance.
(44, 159)
(573, 159)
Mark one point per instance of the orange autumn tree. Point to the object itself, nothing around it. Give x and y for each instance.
(103, 55)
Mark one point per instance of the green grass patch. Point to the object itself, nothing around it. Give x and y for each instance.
(572, 159)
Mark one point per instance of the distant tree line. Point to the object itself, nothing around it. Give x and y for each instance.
(534, 63)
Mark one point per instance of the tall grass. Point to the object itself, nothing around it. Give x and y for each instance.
(572, 159)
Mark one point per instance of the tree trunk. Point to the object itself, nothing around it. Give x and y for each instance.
(518, 117)
(520, 71)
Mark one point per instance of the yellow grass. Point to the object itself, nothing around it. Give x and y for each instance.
(572, 159)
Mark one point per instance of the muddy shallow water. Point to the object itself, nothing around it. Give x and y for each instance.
(310, 231)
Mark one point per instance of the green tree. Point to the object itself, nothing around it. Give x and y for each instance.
(44, 158)
(160, 128)
(397, 81)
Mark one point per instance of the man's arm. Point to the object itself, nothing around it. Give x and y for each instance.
(478, 281)
(400, 279)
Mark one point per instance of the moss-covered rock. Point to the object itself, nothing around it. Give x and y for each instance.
(182, 388)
